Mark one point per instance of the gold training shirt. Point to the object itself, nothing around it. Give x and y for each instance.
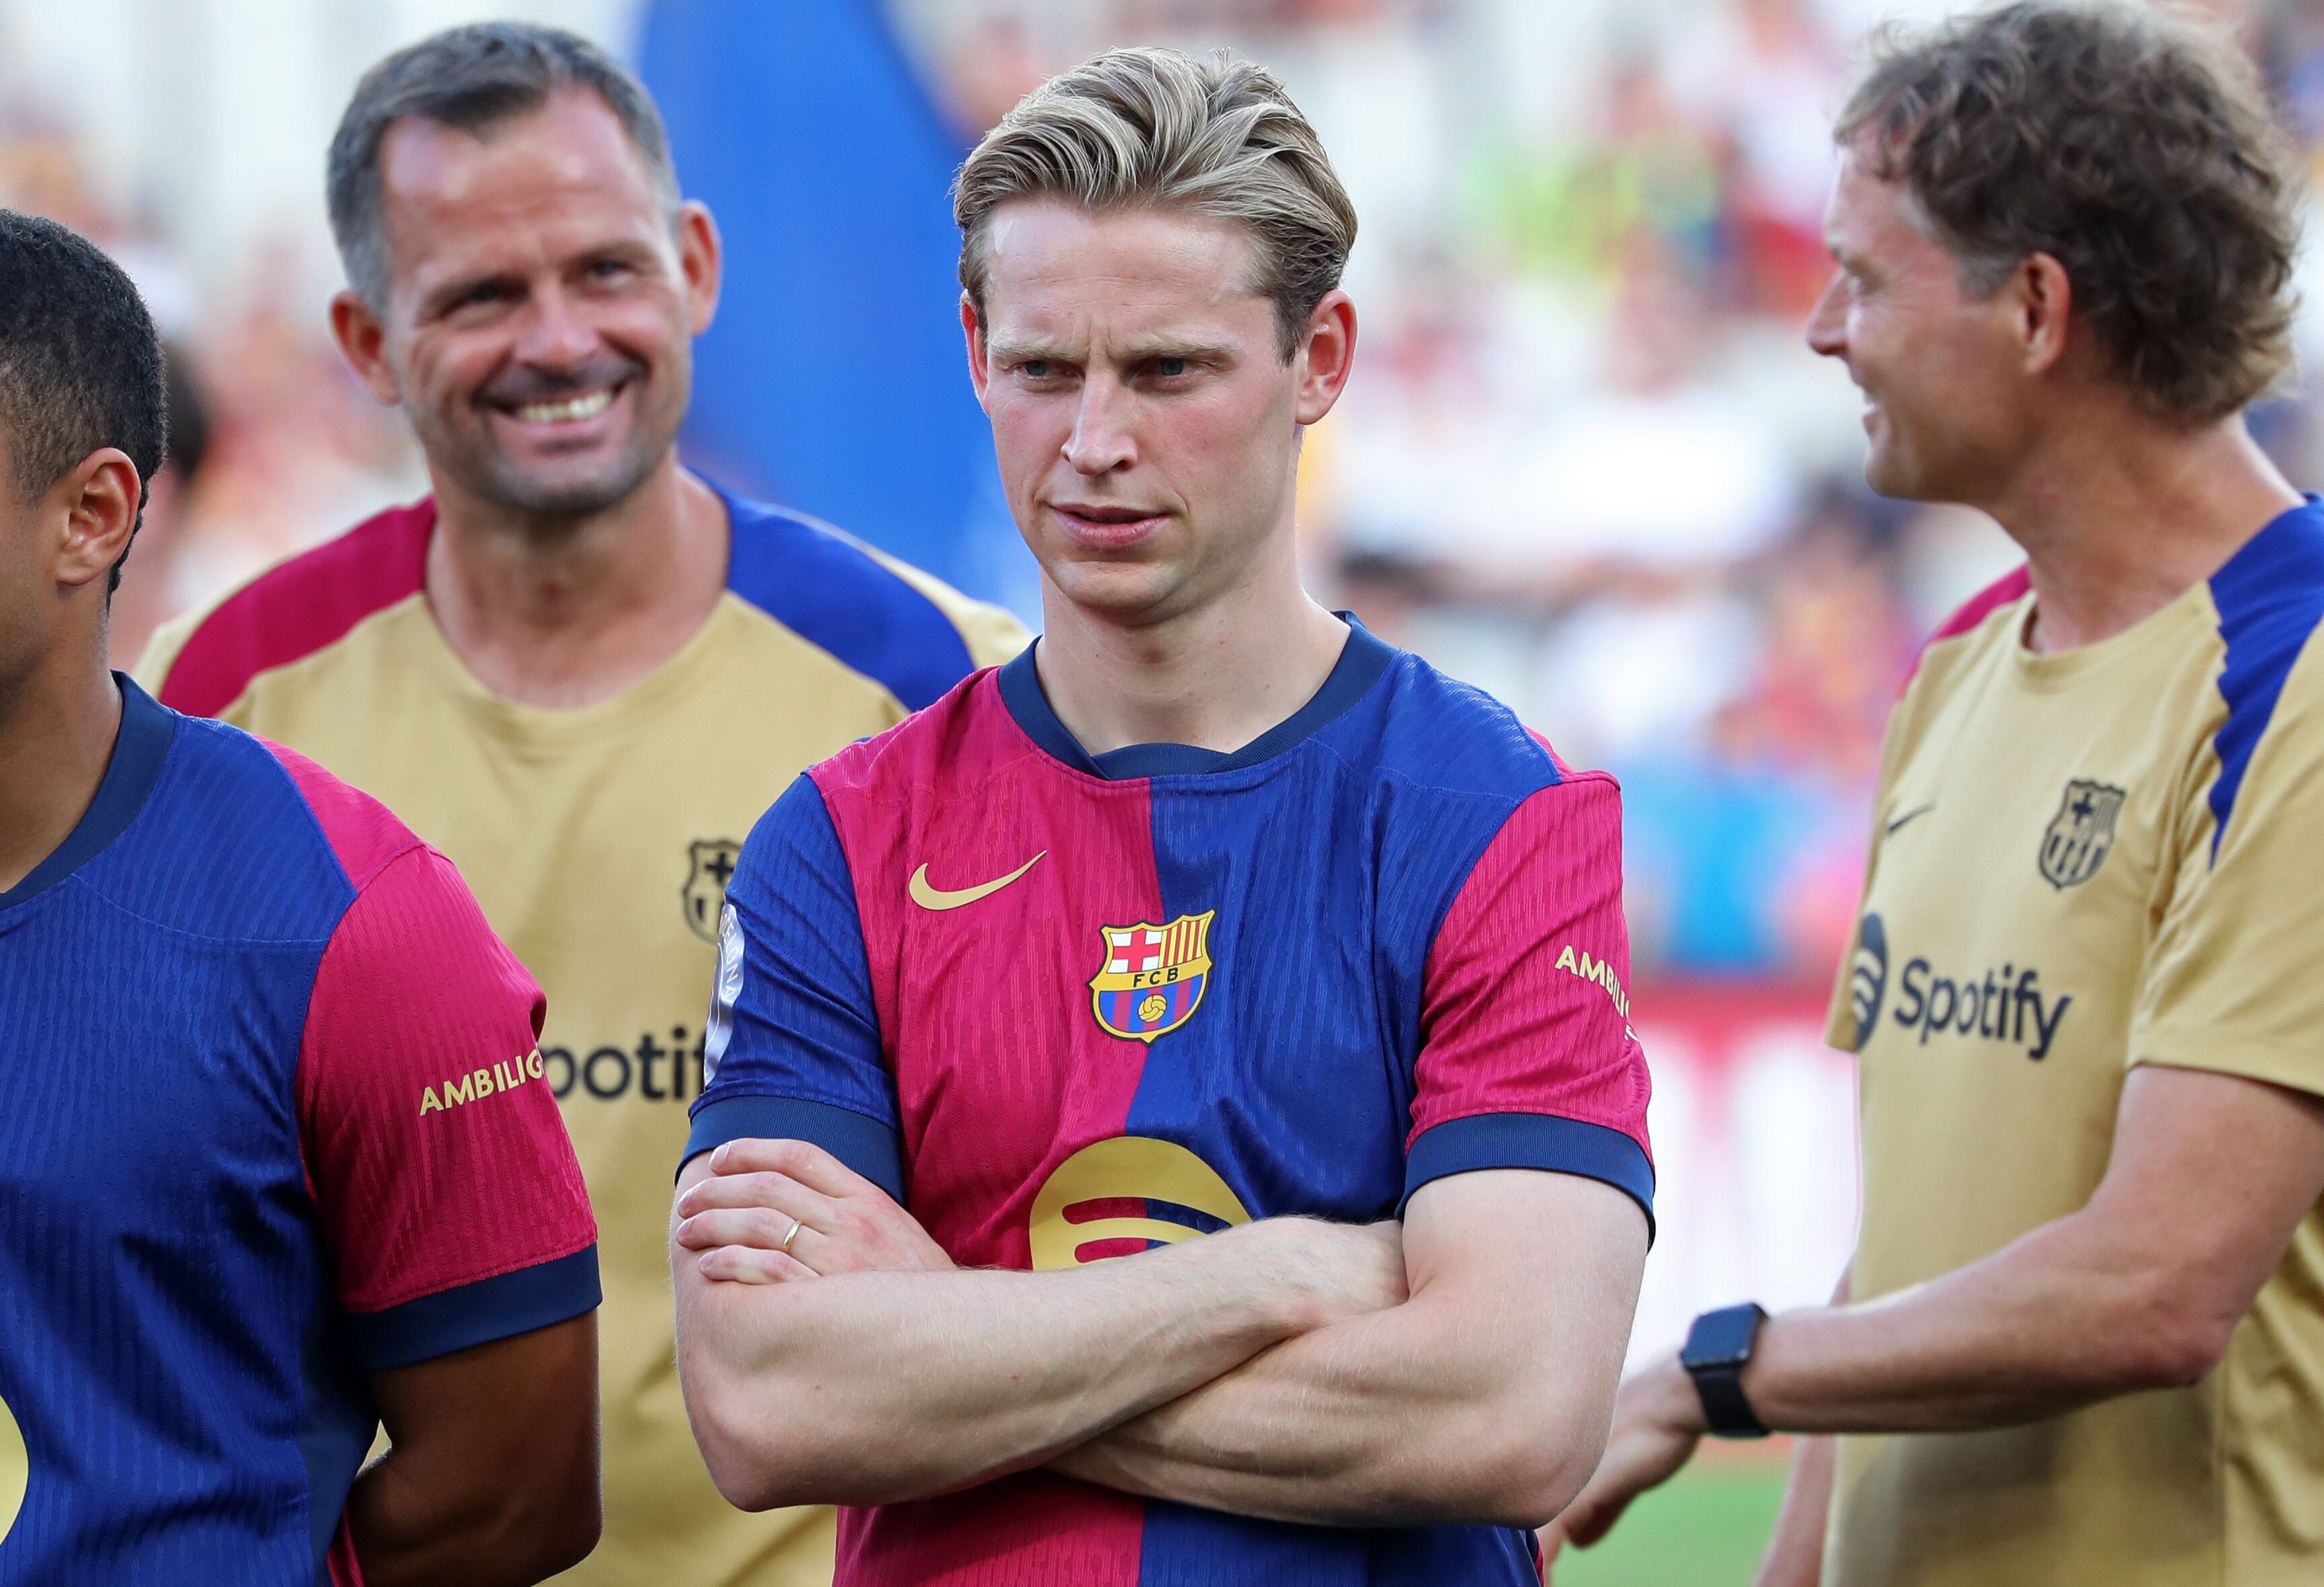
(599, 842)
(2109, 856)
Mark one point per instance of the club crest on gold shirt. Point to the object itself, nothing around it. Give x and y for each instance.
(709, 863)
(1152, 977)
(2079, 836)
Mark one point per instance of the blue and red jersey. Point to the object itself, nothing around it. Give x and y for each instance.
(1071, 1007)
(276, 1122)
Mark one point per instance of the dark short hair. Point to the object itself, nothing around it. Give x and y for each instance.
(80, 365)
(474, 78)
(2130, 147)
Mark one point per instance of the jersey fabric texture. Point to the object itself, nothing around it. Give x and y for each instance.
(599, 842)
(2086, 860)
(278, 1121)
(1381, 944)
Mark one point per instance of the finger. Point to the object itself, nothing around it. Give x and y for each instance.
(778, 1190)
(1590, 1517)
(802, 1160)
(740, 1264)
(759, 1228)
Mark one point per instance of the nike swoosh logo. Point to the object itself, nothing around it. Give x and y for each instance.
(1908, 816)
(937, 898)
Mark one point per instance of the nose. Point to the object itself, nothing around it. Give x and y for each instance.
(1828, 322)
(1102, 440)
(553, 336)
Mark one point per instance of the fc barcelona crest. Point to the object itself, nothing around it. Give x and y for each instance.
(709, 861)
(1153, 976)
(2079, 836)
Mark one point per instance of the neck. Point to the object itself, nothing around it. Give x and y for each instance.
(56, 728)
(563, 613)
(1215, 677)
(2121, 519)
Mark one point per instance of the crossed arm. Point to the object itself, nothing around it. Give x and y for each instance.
(2209, 1178)
(1460, 1367)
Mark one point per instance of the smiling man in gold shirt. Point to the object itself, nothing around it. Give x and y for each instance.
(578, 670)
(2082, 1338)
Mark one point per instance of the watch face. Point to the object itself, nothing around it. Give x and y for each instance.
(1723, 1338)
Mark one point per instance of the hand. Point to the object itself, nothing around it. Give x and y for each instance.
(1657, 1422)
(1340, 1271)
(739, 1217)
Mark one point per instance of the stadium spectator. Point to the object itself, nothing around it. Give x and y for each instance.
(2080, 1340)
(577, 668)
(1210, 914)
(279, 1163)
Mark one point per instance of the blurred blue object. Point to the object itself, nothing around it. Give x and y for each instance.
(833, 381)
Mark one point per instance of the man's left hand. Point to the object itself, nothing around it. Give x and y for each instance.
(772, 1212)
(1657, 1422)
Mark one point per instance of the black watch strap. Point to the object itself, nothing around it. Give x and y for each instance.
(1718, 1348)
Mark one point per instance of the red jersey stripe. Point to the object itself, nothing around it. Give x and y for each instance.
(300, 607)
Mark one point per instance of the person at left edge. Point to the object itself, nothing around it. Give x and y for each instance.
(278, 1164)
(577, 668)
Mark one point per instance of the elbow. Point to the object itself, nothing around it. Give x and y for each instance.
(2166, 1334)
(2172, 1348)
(744, 1466)
(1517, 1471)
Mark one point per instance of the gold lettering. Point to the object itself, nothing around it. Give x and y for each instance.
(428, 1103)
(1566, 958)
(532, 1069)
(464, 1092)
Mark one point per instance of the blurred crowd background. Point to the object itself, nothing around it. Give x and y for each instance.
(1587, 463)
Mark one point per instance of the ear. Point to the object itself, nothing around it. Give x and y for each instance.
(94, 511)
(980, 373)
(1325, 356)
(2040, 311)
(363, 342)
(702, 257)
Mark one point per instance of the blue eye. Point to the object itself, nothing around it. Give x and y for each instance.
(1170, 368)
(1035, 368)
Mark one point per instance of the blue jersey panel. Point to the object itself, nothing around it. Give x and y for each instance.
(166, 1335)
(831, 591)
(792, 1048)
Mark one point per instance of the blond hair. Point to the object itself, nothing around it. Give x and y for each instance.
(1219, 138)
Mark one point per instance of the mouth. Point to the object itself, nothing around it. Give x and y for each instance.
(572, 417)
(571, 411)
(1107, 528)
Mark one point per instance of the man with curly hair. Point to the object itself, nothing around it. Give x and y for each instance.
(2081, 1339)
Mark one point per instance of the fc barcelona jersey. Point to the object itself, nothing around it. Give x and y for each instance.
(275, 1122)
(1070, 1007)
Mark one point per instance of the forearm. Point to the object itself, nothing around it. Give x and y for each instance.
(409, 1531)
(872, 1388)
(1794, 1557)
(1484, 1398)
(2069, 1314)
(1366, 1422)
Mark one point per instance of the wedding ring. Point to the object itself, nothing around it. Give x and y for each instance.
(786, 1246)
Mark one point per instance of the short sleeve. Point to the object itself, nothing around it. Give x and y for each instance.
(792, 1049)
(1528, 1059)
(2231, 982)
(446, 1187)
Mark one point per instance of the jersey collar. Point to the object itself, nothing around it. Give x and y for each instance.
(138, 750)
(1363, 659)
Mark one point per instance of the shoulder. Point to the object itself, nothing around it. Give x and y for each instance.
(1972, 618)
(2270, 600)
(911, 632)
(202, 663)
(948, 750)
(1431, 733)
(242, 841)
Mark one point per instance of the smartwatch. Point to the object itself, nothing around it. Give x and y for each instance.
(1718, 1348)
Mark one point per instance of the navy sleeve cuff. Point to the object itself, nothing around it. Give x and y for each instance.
(1531, 1140)
(477, 1314)
(864, 1144)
